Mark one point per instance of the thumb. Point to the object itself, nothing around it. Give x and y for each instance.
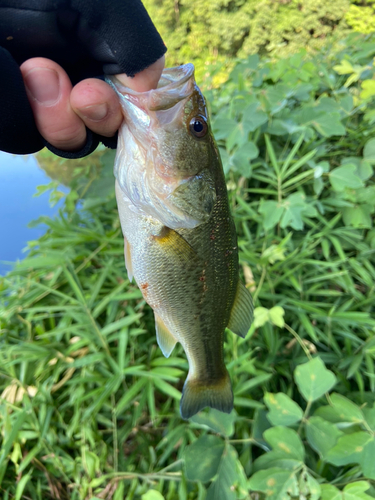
(144, 80)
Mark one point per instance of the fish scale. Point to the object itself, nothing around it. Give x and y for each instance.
(180, 239)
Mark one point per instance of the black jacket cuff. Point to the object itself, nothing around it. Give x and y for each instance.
(92, 141)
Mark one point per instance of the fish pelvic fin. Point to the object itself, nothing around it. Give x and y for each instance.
(128, 260)
(241, 315)
(166, 340)
(198, 394)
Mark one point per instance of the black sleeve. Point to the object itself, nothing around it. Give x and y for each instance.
(86, 37)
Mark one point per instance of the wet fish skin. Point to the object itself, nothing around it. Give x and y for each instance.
(181, 248)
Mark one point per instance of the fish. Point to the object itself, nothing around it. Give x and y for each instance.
(180, 240)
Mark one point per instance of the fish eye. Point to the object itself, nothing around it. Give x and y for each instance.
(198, 126)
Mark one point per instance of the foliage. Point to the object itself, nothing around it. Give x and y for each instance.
(361, 16)
(89, 405)
(219, 30)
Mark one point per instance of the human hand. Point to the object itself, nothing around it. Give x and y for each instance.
(62, 112)
(86, 39)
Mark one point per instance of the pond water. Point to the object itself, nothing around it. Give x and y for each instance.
(19, 177)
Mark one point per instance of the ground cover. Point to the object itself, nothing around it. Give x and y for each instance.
(89, 405)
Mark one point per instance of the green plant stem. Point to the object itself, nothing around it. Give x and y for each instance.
(299, 340)
(260, 284)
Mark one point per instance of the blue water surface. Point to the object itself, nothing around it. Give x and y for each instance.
(19, 177)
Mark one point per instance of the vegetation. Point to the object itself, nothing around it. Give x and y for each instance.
(89, 405)
(218, 31)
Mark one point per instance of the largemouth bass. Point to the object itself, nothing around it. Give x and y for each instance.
(180, 239)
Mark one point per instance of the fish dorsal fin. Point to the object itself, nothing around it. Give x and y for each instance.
(241, 315)
(128, 259)
(166, 340)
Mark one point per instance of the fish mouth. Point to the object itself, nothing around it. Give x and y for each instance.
(175, 85)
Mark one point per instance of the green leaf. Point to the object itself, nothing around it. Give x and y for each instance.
(283, 410)
(364, 170)
(167, 388)
(369, 116)
(275, 98)
(368, 91)
(152, 495)
(346, 103)
(261, 316)
(356, 491)
(295, 206)
(369, 151)
(327, 104)
(8, 440)
(318, 185)
(21, 486)
(242, 156)
(369, 414)
(230, 477)
(207, 452)
(330, 492)
(313, 379)
(312, 488)
(274, 316)
(275, 459)
(344, 68)
(329, 124)
(357, 487)
(346, 410)
(274, 253)
(345, 177)
(216, 420)
(254, 117)
(223, 127)
(349, 449)
(293, 213)
(321, 435)
(276, 483)
(366, 195)
(367, 459)
(272, 212)
(358, 216)
(285, 441)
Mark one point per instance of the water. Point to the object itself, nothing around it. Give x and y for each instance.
(19, 177)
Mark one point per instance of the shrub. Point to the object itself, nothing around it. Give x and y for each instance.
(360, 16)
(219, 30)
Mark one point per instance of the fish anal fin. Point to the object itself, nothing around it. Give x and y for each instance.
(166, 340)
(198, 394)
(241, 315)
(128, 259)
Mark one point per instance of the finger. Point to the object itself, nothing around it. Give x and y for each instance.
(48, 88)
(97, 105)
(145, 80)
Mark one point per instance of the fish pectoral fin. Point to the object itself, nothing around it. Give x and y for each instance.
(241, 315)
(172, 242)
(128, 259)
(197, 394)
(166, 340)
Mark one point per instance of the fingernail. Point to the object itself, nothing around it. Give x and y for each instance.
(96, 112)
(44, 85)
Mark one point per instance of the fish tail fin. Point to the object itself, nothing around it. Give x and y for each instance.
(198, 394)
